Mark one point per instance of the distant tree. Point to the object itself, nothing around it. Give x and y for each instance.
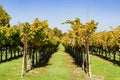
(57, 32)
(4, 17)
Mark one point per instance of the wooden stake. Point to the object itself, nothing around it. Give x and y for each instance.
(88, 67)
(24, 67)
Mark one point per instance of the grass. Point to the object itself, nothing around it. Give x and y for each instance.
(58, 68)
(11, 70)
(106, 69)
(61, 67)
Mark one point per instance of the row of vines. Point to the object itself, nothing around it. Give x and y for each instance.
(83, 39)
(10, 43)
(35, 42)
(106, 44)
(42, 41)
(76, 41)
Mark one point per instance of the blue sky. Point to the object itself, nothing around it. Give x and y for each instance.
(106, 12)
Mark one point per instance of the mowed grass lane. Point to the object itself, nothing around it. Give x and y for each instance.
(105, 69)
(11, 70)
(60, 67)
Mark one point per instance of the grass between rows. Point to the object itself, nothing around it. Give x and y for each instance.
(60, 67)
(11, 70)
(104, 68)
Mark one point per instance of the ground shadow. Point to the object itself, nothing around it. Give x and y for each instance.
(115, 62)
(43, 57)
(10, 59)
(77, 55)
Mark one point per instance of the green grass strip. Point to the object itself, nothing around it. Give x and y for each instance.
(106, 69)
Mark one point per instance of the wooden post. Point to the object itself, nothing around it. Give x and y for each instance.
(25, 52)
(1, 55)
(119, 55)
(83, 63)
(88, 67)
(24, 67)
(6, 53)
(87, 54)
